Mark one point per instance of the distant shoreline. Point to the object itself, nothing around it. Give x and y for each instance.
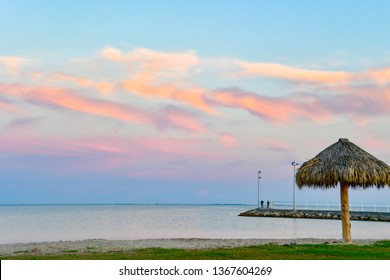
(135, 204)
(102, 245)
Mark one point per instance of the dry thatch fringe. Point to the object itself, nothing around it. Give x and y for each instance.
(343, 162)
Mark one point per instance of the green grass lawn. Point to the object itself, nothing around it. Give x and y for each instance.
(378, 251)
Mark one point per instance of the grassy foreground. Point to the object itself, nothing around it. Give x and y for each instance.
(378, 251)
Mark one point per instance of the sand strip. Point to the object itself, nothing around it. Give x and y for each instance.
(101, 245)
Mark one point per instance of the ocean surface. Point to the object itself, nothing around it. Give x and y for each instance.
(38, 223)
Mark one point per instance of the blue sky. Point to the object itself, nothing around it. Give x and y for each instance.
(184, 101)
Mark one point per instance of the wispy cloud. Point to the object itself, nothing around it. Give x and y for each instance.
(13, 64)
(309, 76)
(64, 99)
(154, 64)
(7, 104)
(101, 86)
(61, 98)
(170, 114)
(356, 101)
(105, 87)
(165, 78)
(274, 70)
(274, 109)
(150, 157)
(81, 81)
(22, 123)
(195, 97)
(227, 140)
(160, 74)
(179, 118)
(380, 76)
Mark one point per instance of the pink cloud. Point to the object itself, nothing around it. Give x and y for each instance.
(105, 87)
(113, 54)
(194, 97)
(22, 126)
(165, 75)
(81, 81)
(172, 116)
(280, 71)
(153, 62)
(19, 145)
(285, 72)
(7, 105)
(153, 69)
(59, 98)
(157, 74)
(93, 106)
(358, 102)
(380, 76)
(12, 64)
(378, 145)
(131, 148)
(150, 156)
(276, 109)
(184, 121)
(175, 148)
(64, 99)
(73, 155)
(227, 140)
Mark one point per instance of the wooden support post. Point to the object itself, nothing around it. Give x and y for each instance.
(346, 224)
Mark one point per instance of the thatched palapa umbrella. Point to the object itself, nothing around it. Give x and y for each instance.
(346, 164)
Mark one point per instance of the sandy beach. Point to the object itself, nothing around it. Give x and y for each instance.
(101, 245)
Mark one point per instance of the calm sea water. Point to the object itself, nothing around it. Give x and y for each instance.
(76, 222)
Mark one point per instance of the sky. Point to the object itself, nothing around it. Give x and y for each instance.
(185, 101)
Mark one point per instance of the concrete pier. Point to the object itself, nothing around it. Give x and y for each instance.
(316, 214)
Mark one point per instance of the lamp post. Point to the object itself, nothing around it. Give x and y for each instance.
(294, 164)
(258, 189)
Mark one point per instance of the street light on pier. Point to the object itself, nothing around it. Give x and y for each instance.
(258, 188)
(294, 164)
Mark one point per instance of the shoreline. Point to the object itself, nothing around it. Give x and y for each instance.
(103, 245)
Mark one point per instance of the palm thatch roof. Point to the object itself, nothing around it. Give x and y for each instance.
(343, 162)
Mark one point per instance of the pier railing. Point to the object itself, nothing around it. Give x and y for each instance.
(331, 206)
